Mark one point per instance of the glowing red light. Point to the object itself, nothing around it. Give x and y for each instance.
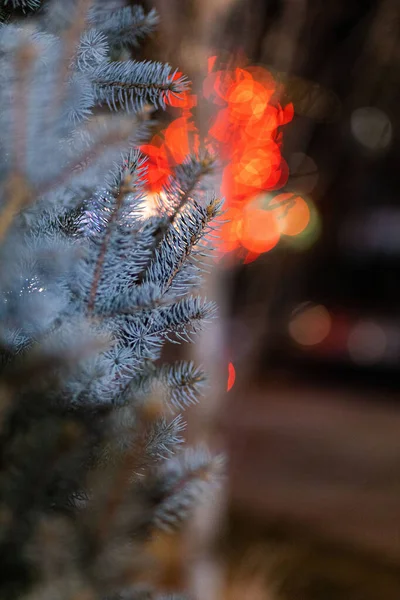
(245, 136)
(181, 139)
(158, 169)
(248, 100)
(231, 376)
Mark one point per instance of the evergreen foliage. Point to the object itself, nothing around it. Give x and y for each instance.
(92, 468)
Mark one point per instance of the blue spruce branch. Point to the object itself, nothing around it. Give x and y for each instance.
(23, 4)
(124, 26)
(182, 481)
(131, 84)
(92, 291)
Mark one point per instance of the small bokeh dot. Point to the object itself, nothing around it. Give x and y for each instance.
(371, 127)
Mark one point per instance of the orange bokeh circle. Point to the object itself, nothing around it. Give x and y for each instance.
(260, 230)
(248, 99)
(293, 213)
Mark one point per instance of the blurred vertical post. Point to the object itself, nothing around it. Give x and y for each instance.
(187, 31)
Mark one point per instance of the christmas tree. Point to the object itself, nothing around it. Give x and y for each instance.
(93, 467)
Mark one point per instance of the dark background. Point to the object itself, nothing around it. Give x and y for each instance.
(344, 56)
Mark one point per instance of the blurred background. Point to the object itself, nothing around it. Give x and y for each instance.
(304, 360)
(312, 326)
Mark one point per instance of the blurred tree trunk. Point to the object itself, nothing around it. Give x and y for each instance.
(185, 40)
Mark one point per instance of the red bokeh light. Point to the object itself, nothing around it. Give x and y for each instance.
(158, 168)
(231, 376)
(245, 135)
(180, 139)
